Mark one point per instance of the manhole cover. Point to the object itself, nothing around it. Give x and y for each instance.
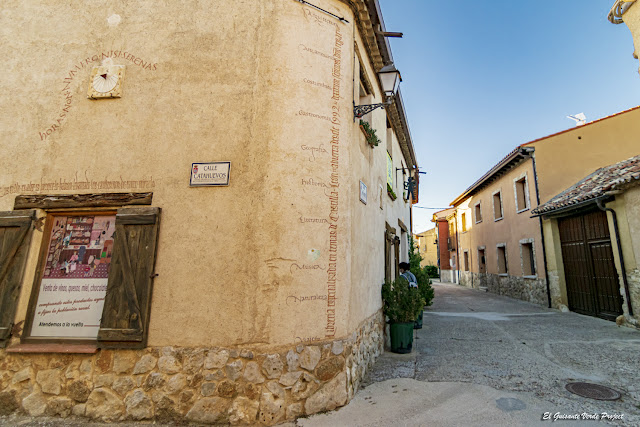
(593, 391)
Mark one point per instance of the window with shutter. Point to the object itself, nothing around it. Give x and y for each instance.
(94, 279)
(391, 251)
(15, 235)
(71, 279)
(125, 316)
(396, 261)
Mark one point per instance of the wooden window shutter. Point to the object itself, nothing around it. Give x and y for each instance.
(396, 262)
(387, 260)
(15, 235)
(125, 316)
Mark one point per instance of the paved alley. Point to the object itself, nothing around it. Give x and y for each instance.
(484, 359)
(487, 360)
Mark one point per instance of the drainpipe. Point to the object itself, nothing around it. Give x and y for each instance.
(544, 248)
(455, 215)
(438, 240)
(411, 219)
(600, 204)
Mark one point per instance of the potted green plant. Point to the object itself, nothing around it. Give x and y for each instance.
(402, 304)
(391, 193)
(369, 133)
(422, 276)
(426, 291)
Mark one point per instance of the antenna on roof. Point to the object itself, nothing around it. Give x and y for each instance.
(579, 118)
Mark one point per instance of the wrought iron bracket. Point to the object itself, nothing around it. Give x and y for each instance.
(361, 110)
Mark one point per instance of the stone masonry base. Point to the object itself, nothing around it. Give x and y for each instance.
(448, 276)
(633, 278)
(201, 385)
(531, 290)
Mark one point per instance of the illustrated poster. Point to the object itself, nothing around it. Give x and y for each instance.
(74, 283)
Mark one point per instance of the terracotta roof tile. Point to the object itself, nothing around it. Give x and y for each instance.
(610, 178)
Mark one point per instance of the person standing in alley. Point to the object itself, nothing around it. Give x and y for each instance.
(404, 272)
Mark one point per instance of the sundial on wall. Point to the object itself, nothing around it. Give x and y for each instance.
(106, 82)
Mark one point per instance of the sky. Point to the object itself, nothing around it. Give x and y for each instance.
(481, 77)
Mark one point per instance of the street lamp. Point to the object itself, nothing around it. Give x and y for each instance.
(389, 79)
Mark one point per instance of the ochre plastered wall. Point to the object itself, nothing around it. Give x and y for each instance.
(209, 82)
(369, 165)
(312, 86)
(454, 236)
(463, 239)
(627, 209)
(631, 199)
(165, 120)
(632, 247)
(589, 147)
(426, 242)
(632, 19)
(513, 227)
(555, 265)
(510, 232)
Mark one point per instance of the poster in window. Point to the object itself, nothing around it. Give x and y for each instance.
(74, 281)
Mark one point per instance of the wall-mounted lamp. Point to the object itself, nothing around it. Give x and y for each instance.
(389, 79)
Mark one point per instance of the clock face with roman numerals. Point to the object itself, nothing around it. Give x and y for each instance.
(106, 82)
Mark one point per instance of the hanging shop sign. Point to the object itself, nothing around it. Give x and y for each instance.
(210, 174)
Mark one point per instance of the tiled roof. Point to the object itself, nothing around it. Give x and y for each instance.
(513, 158)
(610, 178)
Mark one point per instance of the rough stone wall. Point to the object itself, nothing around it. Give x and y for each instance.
(554, 286)
(201, 385)
(469, 279)
(633, 277)
(531, 290)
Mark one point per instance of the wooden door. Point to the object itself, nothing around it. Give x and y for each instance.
(590, 273)
(482, 262)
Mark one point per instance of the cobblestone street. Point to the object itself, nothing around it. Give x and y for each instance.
(483, 359)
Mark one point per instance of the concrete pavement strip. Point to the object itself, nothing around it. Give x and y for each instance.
(407, 402)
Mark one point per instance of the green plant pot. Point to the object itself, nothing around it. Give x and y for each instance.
(418, 323)
(401, 337)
